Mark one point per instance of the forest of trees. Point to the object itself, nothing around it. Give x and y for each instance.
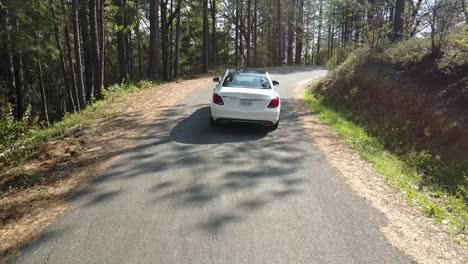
(57, 56)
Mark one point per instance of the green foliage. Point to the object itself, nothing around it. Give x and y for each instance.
(339, 57)
(11, 132)
(407, 52)
(19, 139)
(117, 90)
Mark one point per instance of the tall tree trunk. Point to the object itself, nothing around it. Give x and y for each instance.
(171, 41)
(121, 41)
(214, 44)
(164, 40)
(128, 20)
(77, 42)
(465, 10)
(43, 94)
(99, 80)
(332, 39)
(241, 32)
(154, 49)
(20, 109)
(206, 37)
(138, 39)
(68, 87)
(94, 50)
(271, 44)
(177, 42)
(255, 33)
(19, 81)
(279, 52)
(319, 34)
(70, 60)
(236, 40)
(290, 32)
(248, 32)
(11, 65)
(88, 56)
(299, 31)
(397, 33)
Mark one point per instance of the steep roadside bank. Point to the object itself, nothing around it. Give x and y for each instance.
(406, 112)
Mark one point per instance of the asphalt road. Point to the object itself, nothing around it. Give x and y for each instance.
(189, 193)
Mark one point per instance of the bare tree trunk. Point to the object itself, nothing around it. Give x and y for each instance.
(279, 52)
(177, 42)
(171, 40)
(101, 41)
(79, 65)
(319, 35)
(62, 56)
(43, 95)
(88, 56)
(290, 32)
(154, 55)
(19, 75)
(128, 17)
(164, 40)
(299, 31)
(465, 10)
(138, 39)
(206, 37)
(248, 32)
(70, 60)
(214, 44)
(241, 32)
(397, 33)
(94, 50)
(11, 65)
(236, 41)
(255, 33)
(121, 41)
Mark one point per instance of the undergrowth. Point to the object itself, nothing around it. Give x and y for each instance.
(20, 139)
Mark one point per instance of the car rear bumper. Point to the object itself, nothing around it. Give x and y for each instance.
(224, 114)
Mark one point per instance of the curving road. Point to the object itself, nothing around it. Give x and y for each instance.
(189, 193)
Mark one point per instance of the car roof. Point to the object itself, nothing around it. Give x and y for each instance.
(247, 71)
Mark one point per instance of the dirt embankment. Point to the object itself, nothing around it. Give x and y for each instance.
(67, 164)
(418, 108)
(416, 104)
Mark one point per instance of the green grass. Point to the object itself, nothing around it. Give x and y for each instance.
(28, 137)
(399, 170)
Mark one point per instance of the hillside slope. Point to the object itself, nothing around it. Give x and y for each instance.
(416, 106)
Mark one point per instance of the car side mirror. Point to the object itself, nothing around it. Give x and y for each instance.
(216, 80)
(275, 83)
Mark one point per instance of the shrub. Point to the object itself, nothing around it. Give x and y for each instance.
(12, 132)
(339, 57)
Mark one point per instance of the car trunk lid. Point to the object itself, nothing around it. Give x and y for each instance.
(246, 98)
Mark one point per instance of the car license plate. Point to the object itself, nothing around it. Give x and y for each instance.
(245, 102)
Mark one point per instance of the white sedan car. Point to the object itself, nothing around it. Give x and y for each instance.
(246, 96)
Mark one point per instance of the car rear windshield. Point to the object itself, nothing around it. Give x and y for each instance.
(246, 80)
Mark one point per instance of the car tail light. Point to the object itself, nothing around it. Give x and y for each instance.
(217, 99)
(274, 103)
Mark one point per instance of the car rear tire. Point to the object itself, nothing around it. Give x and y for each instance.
(213, 122)
(274, 127)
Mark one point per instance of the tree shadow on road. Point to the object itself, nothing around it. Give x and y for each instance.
(196, 129)
(180, 162)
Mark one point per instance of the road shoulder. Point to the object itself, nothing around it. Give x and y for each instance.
(71, 163)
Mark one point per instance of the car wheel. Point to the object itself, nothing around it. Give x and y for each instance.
(274, 127)
(213, 122)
